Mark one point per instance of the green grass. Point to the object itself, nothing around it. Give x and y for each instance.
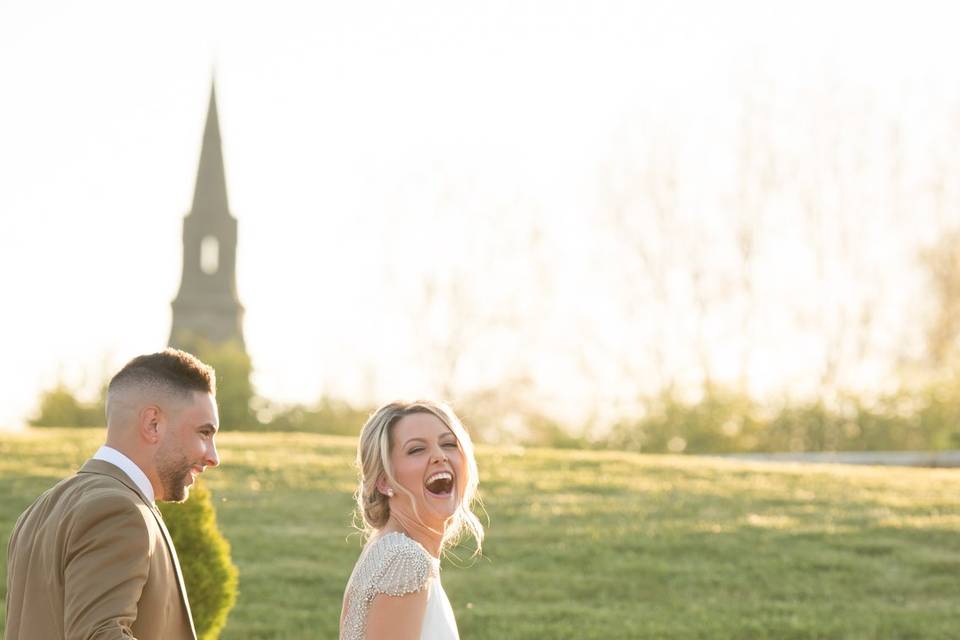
(585, 544)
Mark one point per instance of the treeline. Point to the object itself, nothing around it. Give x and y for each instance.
(720, 421)
(61, 406)
(724, 422)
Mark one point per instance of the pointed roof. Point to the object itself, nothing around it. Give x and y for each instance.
(210, 194)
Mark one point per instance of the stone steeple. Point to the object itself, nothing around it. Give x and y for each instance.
(207, 306)
(210, 194)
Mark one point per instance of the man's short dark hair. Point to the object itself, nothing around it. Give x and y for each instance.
(173, 369)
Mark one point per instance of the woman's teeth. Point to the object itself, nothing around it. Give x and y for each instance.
(440, 483)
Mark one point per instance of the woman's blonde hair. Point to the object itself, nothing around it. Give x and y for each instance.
(373, 462)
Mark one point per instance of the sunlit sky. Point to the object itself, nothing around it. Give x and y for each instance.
(364, 141)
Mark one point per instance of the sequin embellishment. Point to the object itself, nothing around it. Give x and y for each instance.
(395, 565)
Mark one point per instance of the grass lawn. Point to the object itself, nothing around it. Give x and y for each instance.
(585, 544)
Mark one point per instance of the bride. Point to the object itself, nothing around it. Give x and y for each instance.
(418, 478)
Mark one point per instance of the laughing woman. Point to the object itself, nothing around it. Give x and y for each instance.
(418, 478)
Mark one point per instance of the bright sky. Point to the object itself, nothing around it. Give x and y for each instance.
(365, 144)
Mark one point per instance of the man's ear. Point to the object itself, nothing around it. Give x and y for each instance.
(149, 423)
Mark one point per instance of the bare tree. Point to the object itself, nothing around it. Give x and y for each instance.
(940, 259)
(640, 210)
(756, 186)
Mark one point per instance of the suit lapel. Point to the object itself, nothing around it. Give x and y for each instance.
(176, 565)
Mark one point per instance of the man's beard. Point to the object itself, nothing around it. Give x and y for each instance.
(174, 472)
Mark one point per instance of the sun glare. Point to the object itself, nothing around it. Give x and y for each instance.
(583, 202)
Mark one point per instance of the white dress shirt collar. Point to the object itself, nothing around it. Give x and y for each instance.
(129, 467)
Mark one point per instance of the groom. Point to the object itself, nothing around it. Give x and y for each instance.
(91, 557)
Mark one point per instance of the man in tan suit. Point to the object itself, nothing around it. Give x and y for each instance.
(91, 557)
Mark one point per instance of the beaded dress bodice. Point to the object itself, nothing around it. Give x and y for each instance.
(396, 565)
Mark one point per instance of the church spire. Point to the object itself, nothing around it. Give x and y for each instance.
(207, 306)
(210, 195)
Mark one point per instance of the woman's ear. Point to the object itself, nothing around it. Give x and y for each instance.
(384, 487)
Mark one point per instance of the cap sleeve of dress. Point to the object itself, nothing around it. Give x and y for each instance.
(405, 569)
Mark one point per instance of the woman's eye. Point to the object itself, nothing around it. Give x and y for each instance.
(451, 445)
(415, 450)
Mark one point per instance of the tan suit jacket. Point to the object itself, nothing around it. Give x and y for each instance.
(91, 559)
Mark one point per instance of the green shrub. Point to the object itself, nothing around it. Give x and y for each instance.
(723, 421)
(720, 421)
(59, 407)
(209, 574)
(327, 415)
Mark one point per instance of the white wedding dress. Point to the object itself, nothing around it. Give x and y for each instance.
(396, 565)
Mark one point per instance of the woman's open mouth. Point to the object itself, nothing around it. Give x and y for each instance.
(440, 484)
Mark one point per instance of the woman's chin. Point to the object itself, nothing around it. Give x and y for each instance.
(444, 506)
